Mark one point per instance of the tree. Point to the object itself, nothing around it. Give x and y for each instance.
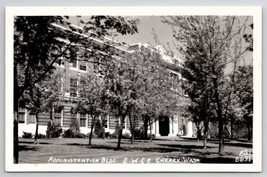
(92, 98)
(120, 93)
(215, 40)
(199, 91)
(244, 96)
(37, 48)
(154, 87)
(43, 97)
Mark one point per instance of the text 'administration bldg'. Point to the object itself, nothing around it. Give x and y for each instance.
(167, 126)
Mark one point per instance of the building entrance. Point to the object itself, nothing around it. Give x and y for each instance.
(164, 126)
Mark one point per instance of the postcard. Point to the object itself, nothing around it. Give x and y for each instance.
(133, 89)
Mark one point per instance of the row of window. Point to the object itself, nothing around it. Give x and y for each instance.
(31, 118)
(74, 64)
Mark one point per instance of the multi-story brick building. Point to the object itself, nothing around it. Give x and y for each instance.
(73, 69)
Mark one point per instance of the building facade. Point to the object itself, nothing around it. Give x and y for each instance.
(71, 72)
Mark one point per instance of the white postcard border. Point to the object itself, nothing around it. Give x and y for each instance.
(254, 11)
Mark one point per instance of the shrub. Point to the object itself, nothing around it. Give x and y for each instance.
(27, 135)
(68, 133)
(41, 136)
(93, 135)
(113, 135)
(74, 126)
(153, 136)
(80, 135)
(98, 129)
(139, 132)
(53, 130)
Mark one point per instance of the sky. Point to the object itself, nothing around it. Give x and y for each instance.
(145, 27)
(144, 35)
(163, 31)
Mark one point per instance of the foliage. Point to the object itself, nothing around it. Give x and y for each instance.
(69, 133)
(140, 86)
(208, 44)
(139, 132)
(93, 101)
(243, 105)
(27, 135)
(152, 136)
(113, 135)
(80, 135)
(37, 48)
(54, 130)
(93, 135)
(74, 126)
(41, 136)
(98, 129)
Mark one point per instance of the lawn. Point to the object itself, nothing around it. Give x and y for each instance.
(164, 150)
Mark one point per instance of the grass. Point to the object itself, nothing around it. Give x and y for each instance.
(158, 150)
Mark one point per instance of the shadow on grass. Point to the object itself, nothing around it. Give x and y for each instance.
(237, 144)
(189, 149)
(94, 146)
(185, 146)
(27, 148)
(136, 148)
(32, 142)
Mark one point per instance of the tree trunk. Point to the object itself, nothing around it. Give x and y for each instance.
(221, 142)
(16, 138)
(249, 127)
(91, 131)
(103, 128)
(36, 130)
(120, 132)
(145, 128)
(205, 142)
(150, 126)
(132, 130)
(16, 119)
(51, 115)
(206, 128)
(232, 127)
(198, 133)
(119, 138)
(132, 137)
(219, 114)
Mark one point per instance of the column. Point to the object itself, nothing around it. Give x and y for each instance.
(108, 122)
(61, 117)
(172, 122)
(156, 128)
(170, 126)
(189, 129)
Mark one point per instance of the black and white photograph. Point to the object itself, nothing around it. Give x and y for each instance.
(133, 89)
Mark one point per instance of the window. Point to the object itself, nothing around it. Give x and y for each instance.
(83, 67)
(57, 114)
(21, 117)
(82, 89)
(31, 118)
(73, 57)
(73, 87)
(82, 120)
